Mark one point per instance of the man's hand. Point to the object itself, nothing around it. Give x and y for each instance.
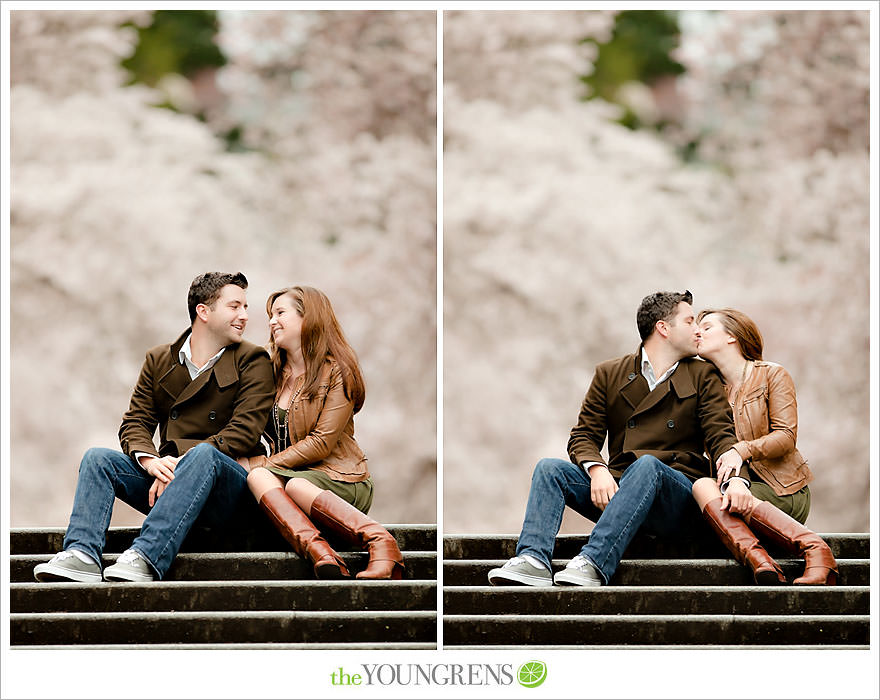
(737, 498)
(728, 465)
(602, 485)
(163, 469)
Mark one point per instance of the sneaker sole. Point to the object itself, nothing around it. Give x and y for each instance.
(49, 572)
(499, 577)
(562, 579)
(129, 576)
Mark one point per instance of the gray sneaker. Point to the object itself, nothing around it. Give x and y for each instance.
(519, 572)
(130, 566)
(578, 572)
(66, 566)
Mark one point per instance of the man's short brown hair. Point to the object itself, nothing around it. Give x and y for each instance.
(205, 289)
(659, 306)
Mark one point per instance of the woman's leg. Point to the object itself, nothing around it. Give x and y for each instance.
(735, 534)
(294, 525)
(303, 492)
(261, 480)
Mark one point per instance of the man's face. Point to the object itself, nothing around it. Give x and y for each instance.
(227, 316)
(683, 330)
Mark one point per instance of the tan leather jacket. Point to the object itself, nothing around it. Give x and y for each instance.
(322, 433)
(765, 413)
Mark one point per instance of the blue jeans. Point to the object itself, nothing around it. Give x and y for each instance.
(651, 495)
(207, 485)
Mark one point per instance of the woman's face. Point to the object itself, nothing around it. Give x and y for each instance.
(285, 324)
(713, 338)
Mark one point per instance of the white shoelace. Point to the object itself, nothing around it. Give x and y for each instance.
(525, 559)
(61, 556)
(129, 556)
(578, 563)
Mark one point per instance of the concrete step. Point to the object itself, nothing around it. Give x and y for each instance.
(220, 596)
(647, 647)
(665, 572)
(657, 600)
(243, 566)
(845, 545)
(661, 630)
(260, 537)
(373, 646)
(240, 626)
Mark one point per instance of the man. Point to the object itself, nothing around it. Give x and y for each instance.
(660, 408)
(209, 393)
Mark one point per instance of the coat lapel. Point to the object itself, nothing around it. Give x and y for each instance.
(680, 382)
(635, 387)
(225, 372)
(176, 378)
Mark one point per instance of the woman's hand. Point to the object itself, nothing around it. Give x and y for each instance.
(728, 465)
(602, 485)
(737, 498)
(245, 462)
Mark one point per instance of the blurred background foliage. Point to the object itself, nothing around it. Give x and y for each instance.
(175, 41)
(640, 50)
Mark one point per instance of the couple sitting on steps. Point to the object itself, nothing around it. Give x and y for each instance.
(661, 408)
(212, 396)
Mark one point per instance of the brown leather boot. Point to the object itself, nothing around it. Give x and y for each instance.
(769, 522)
(331, 512)
(742, 543)
(302, 535)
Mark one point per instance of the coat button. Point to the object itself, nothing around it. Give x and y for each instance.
(632, 375)
(670, 424)
(174, 414)
(212, 415)
(220, 439)
(630, 423)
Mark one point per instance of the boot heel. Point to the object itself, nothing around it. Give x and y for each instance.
(768, 577)
(817, 580)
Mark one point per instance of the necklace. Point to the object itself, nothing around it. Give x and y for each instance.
(742, 380)
(281, 424)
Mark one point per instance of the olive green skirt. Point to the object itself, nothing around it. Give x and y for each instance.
(797, 505)
(359, 494)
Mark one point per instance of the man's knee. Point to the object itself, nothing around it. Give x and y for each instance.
(204, 450)
(96, 457)
(646, 466)
(201, 459)
(548, 468)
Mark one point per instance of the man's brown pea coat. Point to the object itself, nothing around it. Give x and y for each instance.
(226, 406)
(684, 415)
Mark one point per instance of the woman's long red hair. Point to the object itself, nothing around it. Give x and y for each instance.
(322, 338)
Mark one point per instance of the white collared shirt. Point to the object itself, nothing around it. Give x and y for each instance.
(185, 357)
(648, 372)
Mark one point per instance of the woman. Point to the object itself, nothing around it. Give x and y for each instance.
(316, 475)
(777, 501)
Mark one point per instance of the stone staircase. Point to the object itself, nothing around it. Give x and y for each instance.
(663, 595)
(239, 590)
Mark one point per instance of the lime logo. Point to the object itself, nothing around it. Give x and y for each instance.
(532, 673)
